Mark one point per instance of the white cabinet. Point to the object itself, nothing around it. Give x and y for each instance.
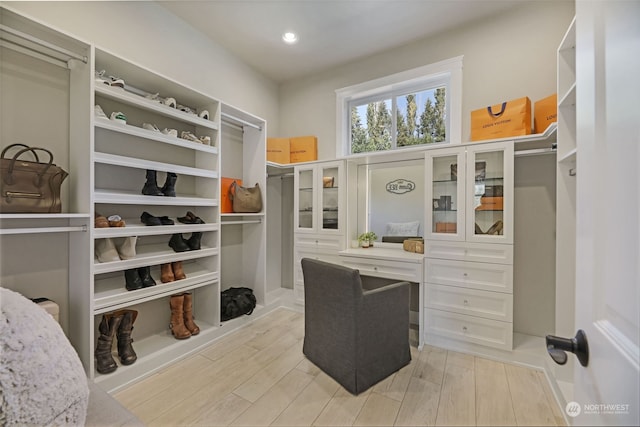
(469, 245)
(319, 198)
(123, 157)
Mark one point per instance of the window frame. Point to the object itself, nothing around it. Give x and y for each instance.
(446, 73)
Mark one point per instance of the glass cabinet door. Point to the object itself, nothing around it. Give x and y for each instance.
(489, 197)
(445, 172)
(306, 199)
(329, 197)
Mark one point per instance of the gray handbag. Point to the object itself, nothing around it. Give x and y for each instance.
(244, 199)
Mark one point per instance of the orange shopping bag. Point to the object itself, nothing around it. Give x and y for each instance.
(510, 118)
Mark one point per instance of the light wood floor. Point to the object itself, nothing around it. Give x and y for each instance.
(258, 376)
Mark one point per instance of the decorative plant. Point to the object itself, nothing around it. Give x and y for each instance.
(367, 239)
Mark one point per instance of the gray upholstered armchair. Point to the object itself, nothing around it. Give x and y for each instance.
(356, 327)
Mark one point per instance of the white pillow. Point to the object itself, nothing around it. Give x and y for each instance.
(402, 228)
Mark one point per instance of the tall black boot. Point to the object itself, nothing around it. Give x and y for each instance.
(125, 350)
(178, 243)
(132, 280)
(145, 276)
(151, 186)
(169, 187)
(108, 327)
(194, 241)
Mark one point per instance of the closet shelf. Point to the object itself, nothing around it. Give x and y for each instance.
(135, 228)
(138, 101)
(151, 135)
(131, 162)
(131, 198)
(111, 293)
(569, 98)
(152, 255)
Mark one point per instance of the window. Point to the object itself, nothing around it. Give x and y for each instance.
(409, 109)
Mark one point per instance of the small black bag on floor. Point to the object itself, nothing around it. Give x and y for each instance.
(235, 302)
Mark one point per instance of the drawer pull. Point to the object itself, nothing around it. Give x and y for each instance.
(375, 268)
(466, 302)
(465, 274)
(464, 329)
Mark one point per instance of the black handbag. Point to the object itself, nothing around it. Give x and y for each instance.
(235, 302)
(27, 186)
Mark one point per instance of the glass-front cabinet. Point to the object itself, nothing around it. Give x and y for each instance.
(470, 193)
(317, 197)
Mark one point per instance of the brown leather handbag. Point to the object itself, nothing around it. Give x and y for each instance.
(27, 186)
(245, 200)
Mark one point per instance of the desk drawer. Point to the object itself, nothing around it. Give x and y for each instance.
(475, 275)
(477, 252)
(491, 333)
(490, 305)
(319, 241)
(402, 271)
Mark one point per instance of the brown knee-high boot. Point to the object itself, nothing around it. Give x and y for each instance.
(188, 315)
(166, 273)
(178, 271)
(177, 326)
(107, 328)
(125, 350)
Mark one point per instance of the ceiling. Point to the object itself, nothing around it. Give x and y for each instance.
(331, 32)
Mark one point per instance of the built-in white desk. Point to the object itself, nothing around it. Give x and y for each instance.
(392, 262)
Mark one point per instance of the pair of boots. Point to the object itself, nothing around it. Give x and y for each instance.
(151, 188)
(182, 324)
(120, 324)
(180, 244)
(107, 250)
(138, 278)
(172, 271)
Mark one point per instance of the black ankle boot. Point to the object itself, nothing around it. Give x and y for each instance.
(178, 244)
(194, 241)
(145, 276)
(132, 279)
(151, 186)
(169, 187)
(107, 328)
(125, 350)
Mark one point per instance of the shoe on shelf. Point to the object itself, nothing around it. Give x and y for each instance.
(165, 220)
(496, 228)
(100, 221)
(206, 140)
(101, 79)
(189, 136)
(150, 187)
(177, 326)
(194, 241)
(151, 127)
(116, 221)
(116, 82)
(132, 279)
(178, 272)
(145, 276)
(154, 97)
(169, 187)
(119, 117)
(186, 109)
(204, 114)
(106, 250)
(178, 243)
(147, 219)
(166, 273)
(99, 112)
(188, 314)
(170, 132)
(190, 218)
(170, 102)
(127, 249)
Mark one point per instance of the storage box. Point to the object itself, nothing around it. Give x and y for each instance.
(446, 227)
(226, 206)
(491, 204)
(303, 149)
(545, 112)
(510, 118)
(278, 150)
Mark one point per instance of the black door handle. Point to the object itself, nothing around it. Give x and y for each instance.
(558, 346)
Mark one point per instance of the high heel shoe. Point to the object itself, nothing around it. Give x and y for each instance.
(496, 228)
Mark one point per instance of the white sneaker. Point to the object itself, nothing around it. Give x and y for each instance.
(150, 126)
(119, 117)
(101, 79)
(206, 140)
(204, 114)
(99, 113)
(189, 136)
(116, 82)
(186, 109)
(170, 102)
(170, 132)
(154, 97)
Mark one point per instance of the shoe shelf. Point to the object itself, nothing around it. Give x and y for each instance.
(151, 255)
(133, 198)
(135, 228)
(121, 95)
(111, 294)
(131, 162)
(151, 135)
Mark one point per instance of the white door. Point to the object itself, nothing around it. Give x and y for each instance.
(608, 215)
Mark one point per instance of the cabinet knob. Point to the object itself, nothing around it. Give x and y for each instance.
(375, 268)
(466, 302)
(464, 329)
(465, 274)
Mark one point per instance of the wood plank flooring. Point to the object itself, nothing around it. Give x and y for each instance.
(258, 376)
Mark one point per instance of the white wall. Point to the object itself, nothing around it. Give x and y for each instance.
(508, 56)
(148, 34)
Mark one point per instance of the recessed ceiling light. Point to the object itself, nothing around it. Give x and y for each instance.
(289, 37)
